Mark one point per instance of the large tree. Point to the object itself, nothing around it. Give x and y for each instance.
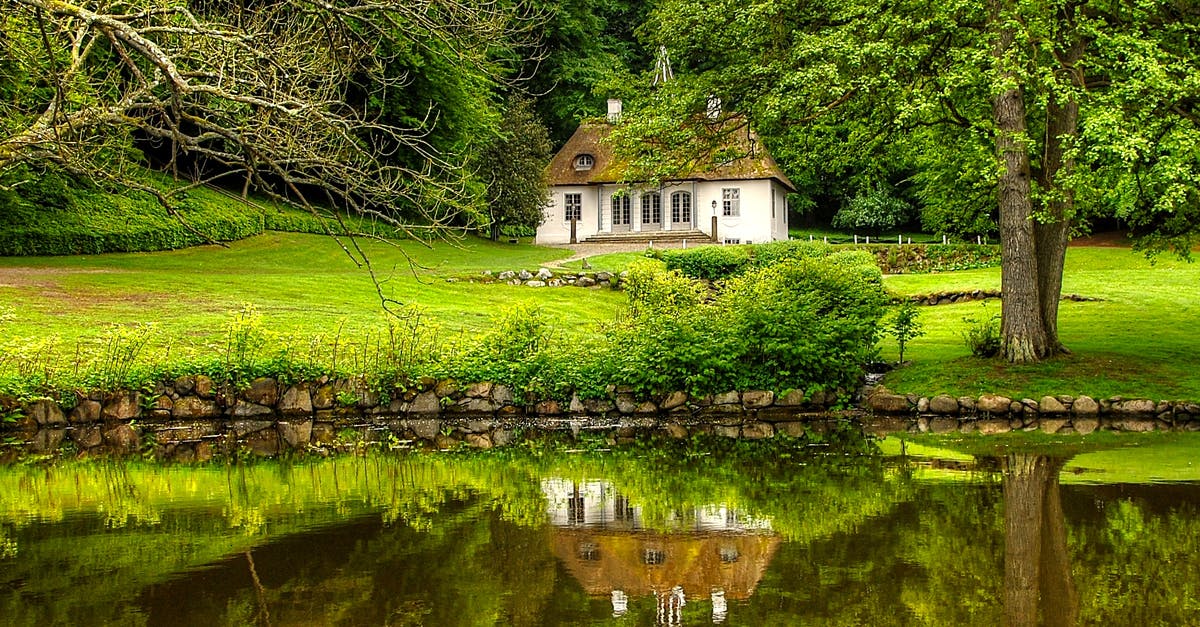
(1050, 107)
(292, 95)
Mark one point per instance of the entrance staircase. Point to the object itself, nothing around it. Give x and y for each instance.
(646, 237)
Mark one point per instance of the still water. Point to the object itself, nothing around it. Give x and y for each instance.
(844, 532)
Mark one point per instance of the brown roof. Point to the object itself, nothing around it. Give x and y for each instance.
(589, 138)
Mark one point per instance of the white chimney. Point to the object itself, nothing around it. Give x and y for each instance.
(614, 110)
(714, 107)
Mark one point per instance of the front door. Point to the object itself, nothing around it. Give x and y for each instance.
(681, 210)
(651, 211)
(622, 213)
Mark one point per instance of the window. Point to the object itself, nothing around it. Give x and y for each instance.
(584, 162)
(733, 240)
(731, 201)
(651, 208)
(681, 207)
(620, 209)
(573, 204)
(653, 557)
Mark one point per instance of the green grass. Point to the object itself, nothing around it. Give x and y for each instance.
(611, 262)
(842, 237)
(301, 284)
(1139, 340)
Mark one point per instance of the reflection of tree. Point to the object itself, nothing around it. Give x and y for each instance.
(1037, 568)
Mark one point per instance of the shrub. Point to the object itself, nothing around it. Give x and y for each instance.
(982, 335)
(709, 262)
(771, 253)
(874, 210)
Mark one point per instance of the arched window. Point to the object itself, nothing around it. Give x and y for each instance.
(621, 209)
(584, 162)
(651, 208)
(681, 207)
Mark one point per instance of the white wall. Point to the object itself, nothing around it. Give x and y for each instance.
(555, 229)
(755, 224)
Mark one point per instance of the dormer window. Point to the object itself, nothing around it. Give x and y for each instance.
(584, 162)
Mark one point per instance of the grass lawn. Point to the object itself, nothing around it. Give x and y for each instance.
(301, 284)
(1139, 340)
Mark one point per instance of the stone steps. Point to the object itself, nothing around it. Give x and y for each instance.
(645, 237)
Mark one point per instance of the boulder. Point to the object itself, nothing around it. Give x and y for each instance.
(194, 407)
(296, 400)
(727, 398)
(547, 408)
(45, 412)
(1139, 406)
(88, 437)
(943, 404)
(203, 386)
(296, 434)
(324, 398)
(626, 403)
(185, 385)
(122, 406)
(676, 430)
(480, 390)
(242, 428)
(446, 387)
(122, 438)
(1084, 426)
(86, 411)
(502, 394)
(727, 431)
(758, 399)
(793, 398)
(479, 440)
(544, 274)
(884, 401)
(524, 275)
(994, 404)
(535, 284)
(923, 405)
(262, 391)
(507, 275)
(1084, 406)
(425, 403)
(673, 400)
(966, 403)
(758, 430)
(244, 409)
(1051, 405)
(48, 440)
(586, 281)
(502, 437)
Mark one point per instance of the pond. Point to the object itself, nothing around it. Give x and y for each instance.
(839, 530)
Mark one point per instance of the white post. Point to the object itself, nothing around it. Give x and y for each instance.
(943, 239)
(810, 238)
(856, 238)
(826, 239)
(868, 239)
(977, 242)
(685, 244)
(910, 241)
(899, 240)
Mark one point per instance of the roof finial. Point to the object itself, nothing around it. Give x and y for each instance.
(662, 67)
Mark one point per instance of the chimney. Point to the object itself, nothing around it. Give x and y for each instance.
(614, 110)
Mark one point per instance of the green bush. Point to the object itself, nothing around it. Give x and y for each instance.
(875, 210)
(770, 253)
(982, 335)
(709, 262)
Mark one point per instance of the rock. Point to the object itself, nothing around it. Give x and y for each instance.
(576, 406)
(48, 440)
(943, 425)
(425, 403)
(547, 408)
(507, 275)
(480, 390)
(296, 434)
(87, 437)
(1053, 425)
(1084, 426)
(479, 440)
(1051, 405)
(524, 275)
(184, 385)
(1084, 406)
(793, 398)
(264, 443)
(296, 400)
(884, 401)
(673, 400)
(727, 398)
(585, 281)
(446, 388)
(603, 276)
(244, 409)
(758, 430)
(943, 404)
(425, 428)
(994, 404)
(1029, 405)
(758, 399)
(790, 429)
(122, 406)
(598, 406)
(185, 432)
(676, 430)
(993, 426)
(626, 404)
(728, 431)
(45, 412)
(535, 284)
(646, 407)
(262, 391)
(544, 274)
(502, 394)
(1139, 425)
(923, 405)
(194, 407)
(476, 405)
(502, 437)
(445, 442)
(122, 438)
(324, 397)
(204, 386)
(966, 403)
(554, 283)
(86, 411)
(1140, 406)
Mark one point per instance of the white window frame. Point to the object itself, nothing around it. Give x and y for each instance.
(584, 162)
(573, 204)
(731, 201)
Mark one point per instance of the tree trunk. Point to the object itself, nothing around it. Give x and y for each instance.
(1024, 488)
(1060, 602)
(1023, 335)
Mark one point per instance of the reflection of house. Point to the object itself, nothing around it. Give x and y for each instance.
(711, 552)
(747, 195)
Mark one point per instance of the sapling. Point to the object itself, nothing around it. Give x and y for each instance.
(905, 326)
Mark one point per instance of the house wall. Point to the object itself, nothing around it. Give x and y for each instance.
(555, 229)
(763, 211)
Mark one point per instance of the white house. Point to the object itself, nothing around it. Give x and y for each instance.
(747, 196)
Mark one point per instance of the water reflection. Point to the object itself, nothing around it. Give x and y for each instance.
(748, 536)
(711, 551)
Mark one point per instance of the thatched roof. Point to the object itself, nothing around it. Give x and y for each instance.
(588, 139)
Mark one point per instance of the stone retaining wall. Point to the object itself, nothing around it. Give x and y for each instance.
(191, 418)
